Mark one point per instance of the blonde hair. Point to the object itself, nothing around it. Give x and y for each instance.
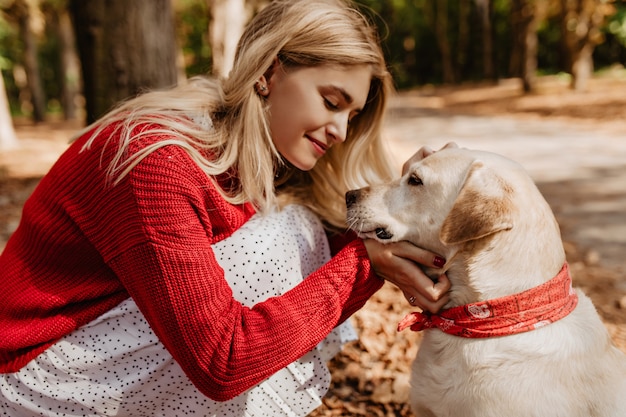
(298, 33)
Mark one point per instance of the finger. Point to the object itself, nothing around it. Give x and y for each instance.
(429, 290)
(436, 306)
(450, 145)
(441, 287)
(422, 153)
(413, 282)
(425, 304)
(416, 254)
(411, 299)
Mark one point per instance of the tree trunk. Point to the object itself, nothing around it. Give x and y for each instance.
(582, 68)
(8, 139)
(463, 50)
(21, 11)
(485, 12)
(580, 30)
(441, 27)
(228, 19)
(70, 65)
(60, 23)
(529, 69)
(524, 22)
(516, 23)
(126, 47)
(525, 16)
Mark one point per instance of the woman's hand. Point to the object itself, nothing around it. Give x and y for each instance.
(422, 153)
(398, 263)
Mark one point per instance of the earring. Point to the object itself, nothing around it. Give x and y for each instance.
(261, 88)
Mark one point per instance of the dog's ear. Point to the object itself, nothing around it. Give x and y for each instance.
(482, 207)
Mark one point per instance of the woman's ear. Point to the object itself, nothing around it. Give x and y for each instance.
(271, 73)
(264, 82)
(261, 87)
(271, 70)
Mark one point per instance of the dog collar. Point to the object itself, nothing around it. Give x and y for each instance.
(517, 313)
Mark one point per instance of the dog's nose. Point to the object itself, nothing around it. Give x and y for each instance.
(351, 197)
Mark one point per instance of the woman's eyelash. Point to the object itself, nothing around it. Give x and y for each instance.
(330, 104)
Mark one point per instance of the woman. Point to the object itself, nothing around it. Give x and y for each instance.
(119, 280)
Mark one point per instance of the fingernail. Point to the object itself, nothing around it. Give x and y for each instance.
(439, 262)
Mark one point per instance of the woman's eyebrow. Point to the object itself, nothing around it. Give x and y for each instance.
(346, 96)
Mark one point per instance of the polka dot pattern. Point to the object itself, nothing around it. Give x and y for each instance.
(116, 366)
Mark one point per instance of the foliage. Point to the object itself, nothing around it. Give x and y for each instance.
(612, 52)
(192, 22)
(407, 27)
(410, 45)
(49, 53)
(411, 42)
(10, 52)
(617, 24)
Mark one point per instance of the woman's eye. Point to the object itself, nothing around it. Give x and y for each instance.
(415, 180)
(329, 104)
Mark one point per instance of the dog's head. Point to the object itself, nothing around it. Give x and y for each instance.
(477, 204)
(448, 198)
(479, 210)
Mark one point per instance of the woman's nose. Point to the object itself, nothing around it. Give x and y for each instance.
(338, 128)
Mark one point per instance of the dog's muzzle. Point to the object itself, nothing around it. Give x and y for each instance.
(352, 198)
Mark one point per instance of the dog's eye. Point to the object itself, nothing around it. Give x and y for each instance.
(415, 180)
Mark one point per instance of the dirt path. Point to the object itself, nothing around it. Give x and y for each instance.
(573, 145)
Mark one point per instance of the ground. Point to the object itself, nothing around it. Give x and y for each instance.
(573, 144)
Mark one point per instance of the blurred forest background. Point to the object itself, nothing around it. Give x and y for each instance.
(75, 59)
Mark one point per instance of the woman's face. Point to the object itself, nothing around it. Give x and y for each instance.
(310, 108)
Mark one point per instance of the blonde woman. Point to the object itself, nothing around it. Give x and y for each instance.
(188, 255)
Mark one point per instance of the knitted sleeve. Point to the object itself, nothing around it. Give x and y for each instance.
(161, 252)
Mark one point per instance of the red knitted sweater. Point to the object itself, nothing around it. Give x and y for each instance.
(84, 246)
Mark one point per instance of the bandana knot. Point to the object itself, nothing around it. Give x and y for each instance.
(517, 313)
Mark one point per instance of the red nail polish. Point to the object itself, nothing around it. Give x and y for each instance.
(439, 262)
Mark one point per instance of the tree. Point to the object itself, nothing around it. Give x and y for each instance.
(126, 47)
(69, 77)
(228, 19)
(21, 12)
(8, 139)
(580, 30)
(464, 42)
(523, 62)
(441, 28)
(485, 13)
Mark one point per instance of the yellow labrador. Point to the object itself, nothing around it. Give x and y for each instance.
(515, 338)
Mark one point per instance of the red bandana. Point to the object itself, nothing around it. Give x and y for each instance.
(503, 316)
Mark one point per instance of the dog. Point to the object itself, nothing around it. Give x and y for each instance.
(515, 339)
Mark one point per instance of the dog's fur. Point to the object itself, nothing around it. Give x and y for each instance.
(486, 216)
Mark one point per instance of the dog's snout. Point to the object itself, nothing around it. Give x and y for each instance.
(351, 197)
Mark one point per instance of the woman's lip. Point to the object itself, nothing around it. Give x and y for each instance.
(321, 147)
